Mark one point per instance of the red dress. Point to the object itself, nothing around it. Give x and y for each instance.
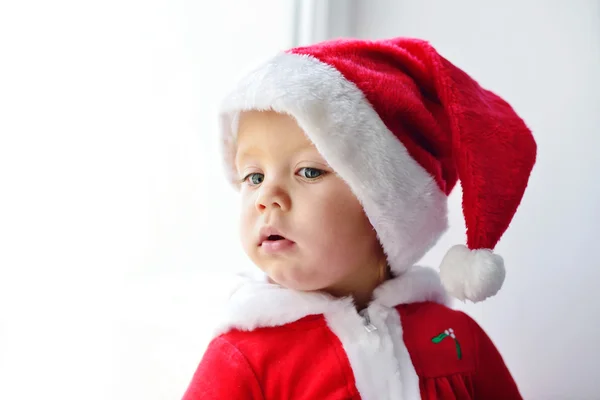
(279, 344)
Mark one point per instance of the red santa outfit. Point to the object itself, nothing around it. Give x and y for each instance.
(400, 124)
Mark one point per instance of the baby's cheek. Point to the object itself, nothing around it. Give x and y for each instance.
(246, 231)
(307, 279)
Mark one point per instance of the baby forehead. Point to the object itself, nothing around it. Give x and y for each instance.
(264, 119)
(249, 147)
(270, 131)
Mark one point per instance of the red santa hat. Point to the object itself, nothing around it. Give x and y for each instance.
(401, 124)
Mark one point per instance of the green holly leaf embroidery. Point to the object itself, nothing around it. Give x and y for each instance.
(458, 350)
(439, 338)
(449, 333)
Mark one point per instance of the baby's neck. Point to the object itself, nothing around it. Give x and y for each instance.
(362, 290)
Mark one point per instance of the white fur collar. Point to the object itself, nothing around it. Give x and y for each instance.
(256, 303)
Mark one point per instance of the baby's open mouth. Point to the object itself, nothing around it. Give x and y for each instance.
(275, 243)
(273, 238)
(272, 241)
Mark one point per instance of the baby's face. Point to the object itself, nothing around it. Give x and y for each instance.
(324, 236)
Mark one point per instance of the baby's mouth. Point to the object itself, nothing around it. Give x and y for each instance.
(275, 243)
(274, 238)
(271, 238)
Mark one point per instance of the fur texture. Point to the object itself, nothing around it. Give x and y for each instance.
(408, 374)
(380, 361)
(377, 371)
(256, 303)
(401, 124)
(403, 202)
(472, 275)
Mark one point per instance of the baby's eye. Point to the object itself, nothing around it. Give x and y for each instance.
(310, 173)
(254, 178)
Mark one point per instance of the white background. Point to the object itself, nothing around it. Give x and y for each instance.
(116, 230)
(116, 224)
(544, 58)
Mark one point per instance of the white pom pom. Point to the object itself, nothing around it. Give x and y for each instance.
(472, 274)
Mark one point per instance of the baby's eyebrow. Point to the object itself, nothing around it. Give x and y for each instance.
(244, 152)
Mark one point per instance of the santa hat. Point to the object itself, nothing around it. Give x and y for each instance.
(400, 124)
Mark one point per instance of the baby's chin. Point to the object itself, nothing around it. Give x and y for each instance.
(294, 283)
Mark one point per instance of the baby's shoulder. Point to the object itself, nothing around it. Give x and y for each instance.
(435, 332)
(447, 346)
(276, 338)
(432, 313)
(418, 318)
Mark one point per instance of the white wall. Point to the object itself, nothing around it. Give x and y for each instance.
(544, 58)
(116, 222)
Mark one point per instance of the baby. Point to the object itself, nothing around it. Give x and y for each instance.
(344, 154)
